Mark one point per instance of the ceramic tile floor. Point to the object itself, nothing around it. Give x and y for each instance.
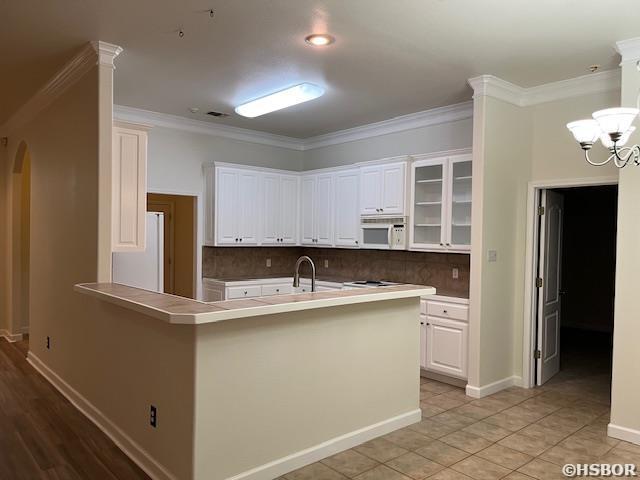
(516, 434)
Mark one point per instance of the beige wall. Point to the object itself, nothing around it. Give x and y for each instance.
(271, 386)
(625, 389)
(434, 138)
(501, 171)
(517, 145)
(553, 149)
(105, 353)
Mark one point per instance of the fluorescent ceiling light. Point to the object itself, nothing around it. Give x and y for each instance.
(279, 100)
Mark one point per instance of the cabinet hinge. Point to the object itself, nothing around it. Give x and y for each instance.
(537, 354)
(541, 210)
(539, 282)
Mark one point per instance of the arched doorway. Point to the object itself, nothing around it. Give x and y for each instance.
(20, 239)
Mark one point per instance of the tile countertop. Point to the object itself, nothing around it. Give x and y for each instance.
(180, 310)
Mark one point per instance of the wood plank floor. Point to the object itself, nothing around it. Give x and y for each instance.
(43, 436)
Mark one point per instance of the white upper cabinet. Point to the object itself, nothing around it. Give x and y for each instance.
(280, 209)
(129, 187)
(316, 210)
(441, 204)
(237, 206)
(209, 205)
(382, 189)
(347, 212)
(289, 186)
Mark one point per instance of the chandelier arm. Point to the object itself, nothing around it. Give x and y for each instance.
(620, 155)
(596, 164)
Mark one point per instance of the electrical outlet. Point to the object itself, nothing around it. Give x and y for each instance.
(326, 264)
(153, 416)
(493, 255)
(455, 273)
(268, 263)
(48, 343)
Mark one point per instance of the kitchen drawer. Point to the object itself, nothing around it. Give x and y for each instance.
(244, 292)
(447, 310)
(280, 289)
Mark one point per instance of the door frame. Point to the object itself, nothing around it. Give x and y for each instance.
(198, 232)
(531, 261)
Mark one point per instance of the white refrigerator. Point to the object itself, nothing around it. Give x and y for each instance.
(143, 269)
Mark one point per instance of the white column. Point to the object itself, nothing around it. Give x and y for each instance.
(625, 389)
(106, 54)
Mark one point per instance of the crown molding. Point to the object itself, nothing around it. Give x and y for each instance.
(629, 50)
(434, 116)
(89, 56)
(492, 86)
(156, 119)
(406, 122)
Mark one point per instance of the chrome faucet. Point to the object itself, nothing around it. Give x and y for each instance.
(296, 276)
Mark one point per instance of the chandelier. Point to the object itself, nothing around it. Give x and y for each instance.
(613, 127)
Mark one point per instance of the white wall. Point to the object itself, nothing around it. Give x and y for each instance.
(433, 138)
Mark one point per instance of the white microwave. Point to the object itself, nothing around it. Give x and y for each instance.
(383, 233)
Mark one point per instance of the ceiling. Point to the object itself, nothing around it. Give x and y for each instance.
(390, 57)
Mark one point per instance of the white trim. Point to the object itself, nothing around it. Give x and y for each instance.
(443, 153)
(165, 120)
(624, 433)
(10, 337)
(425, 118)
(134, 451)
(629, 50)
(71, 72)
(491, 388)
(24, 330)
(491, 86)
(299, 459)
(529, 322)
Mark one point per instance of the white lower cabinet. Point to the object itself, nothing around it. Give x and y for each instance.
(219, 290)
(444, 337)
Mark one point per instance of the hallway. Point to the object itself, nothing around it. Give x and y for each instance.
(43, 436)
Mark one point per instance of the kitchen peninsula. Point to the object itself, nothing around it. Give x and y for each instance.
(254, 388)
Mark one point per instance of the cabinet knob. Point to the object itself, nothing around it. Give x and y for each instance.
(245, 292)
(441, 244)
(428, 324)
(421, 323)
(277, 290)
(382, 209)
(448, 244)
(356, 242)
(445, 312)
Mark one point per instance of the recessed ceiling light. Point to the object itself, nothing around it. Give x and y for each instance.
(279, 100)
(319, 39)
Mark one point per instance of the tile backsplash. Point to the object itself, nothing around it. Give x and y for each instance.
(433, 269)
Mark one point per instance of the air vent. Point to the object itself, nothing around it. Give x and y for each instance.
(217, 114)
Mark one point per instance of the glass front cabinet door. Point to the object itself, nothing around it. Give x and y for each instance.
(441, 204)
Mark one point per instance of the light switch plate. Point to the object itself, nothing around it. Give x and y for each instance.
(493, 255)
(269, 262)
(326, 264)
(455, 273)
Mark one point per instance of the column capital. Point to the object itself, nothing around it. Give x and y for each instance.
(106, 52)
(629, 50)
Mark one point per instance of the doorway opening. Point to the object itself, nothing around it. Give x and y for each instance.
(179, 256)
(574, 287)
(20, 240)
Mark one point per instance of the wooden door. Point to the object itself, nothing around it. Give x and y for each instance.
(179, 254)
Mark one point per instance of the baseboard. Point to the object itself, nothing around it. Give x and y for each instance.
(130, 448)
(483, 391)
(456, 382)
(10, 337)
(624, 433)
(299, 459)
